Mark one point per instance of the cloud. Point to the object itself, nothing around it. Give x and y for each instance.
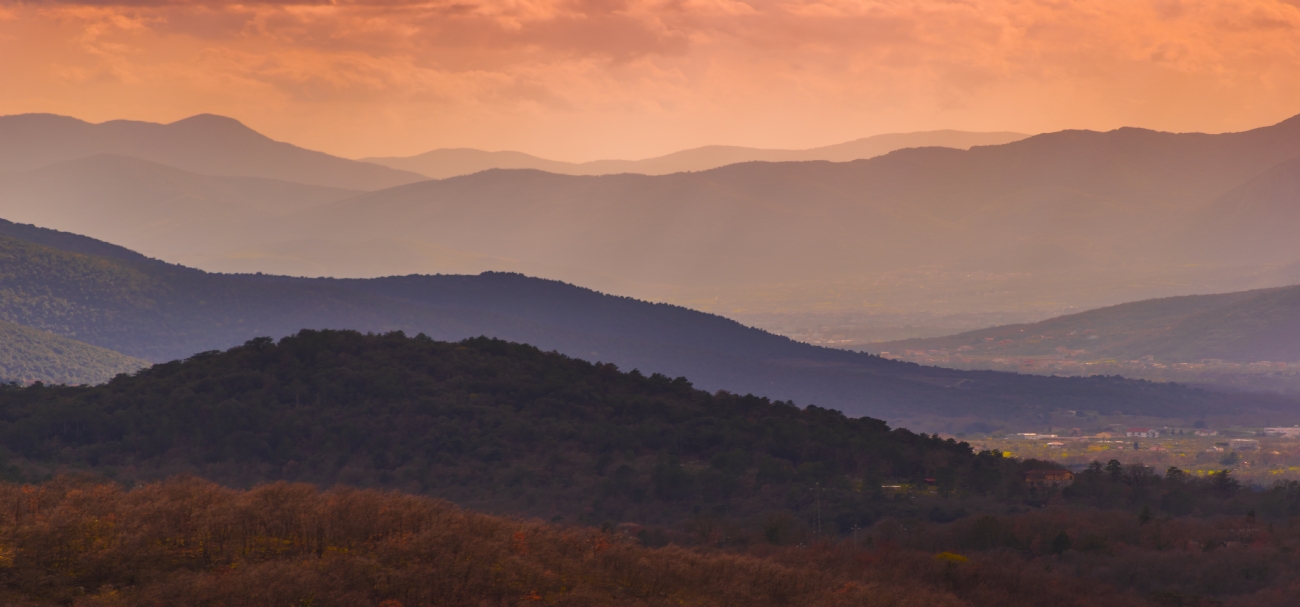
(630, 77)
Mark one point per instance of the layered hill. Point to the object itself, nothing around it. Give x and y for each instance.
(1245, 327)
(1237, 341)
(28, 355)
(206, 144)
(114, 298)
(1060, 201)
(154, 208)
(1070, 219)
(452, 162)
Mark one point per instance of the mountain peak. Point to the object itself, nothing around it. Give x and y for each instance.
(17, 124)
(206, 144)
(212, 124)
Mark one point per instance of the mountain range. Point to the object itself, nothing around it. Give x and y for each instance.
(452, 162)
(1058, 221)
(111, 297)
(1049, 201)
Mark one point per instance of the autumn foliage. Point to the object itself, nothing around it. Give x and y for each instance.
(190, 542)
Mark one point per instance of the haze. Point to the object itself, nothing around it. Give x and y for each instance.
(582, 80)
(990, 303)
(867, 175)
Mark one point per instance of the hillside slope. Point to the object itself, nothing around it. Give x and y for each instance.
(206, 144)
(1245, 327)
(444, 163)
(28, 355)
(1254, 221)
(114, 298)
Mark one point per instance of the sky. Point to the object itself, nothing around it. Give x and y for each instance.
(586, 79)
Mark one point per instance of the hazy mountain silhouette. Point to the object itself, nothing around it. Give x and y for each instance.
(1074, 218)
(224, 223)
(156, 208)
(1249, 326)
(111, 297)
(1073, 199)
(451, 162)
(207, 144)
(29, 355)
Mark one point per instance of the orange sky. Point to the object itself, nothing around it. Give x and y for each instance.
(585, 79)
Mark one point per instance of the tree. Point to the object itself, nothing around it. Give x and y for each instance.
(1061, 543)
(1116, 470)
(1223, 484)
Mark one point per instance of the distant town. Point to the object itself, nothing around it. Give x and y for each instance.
(1255, 455)
(1259, 375)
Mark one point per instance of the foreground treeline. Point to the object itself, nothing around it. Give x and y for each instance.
(190, 542)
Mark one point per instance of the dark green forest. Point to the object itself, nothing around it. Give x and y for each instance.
(507, 428)
(491, 424)
(28, 355)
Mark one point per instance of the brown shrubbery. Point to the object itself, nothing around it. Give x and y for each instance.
(191, 542)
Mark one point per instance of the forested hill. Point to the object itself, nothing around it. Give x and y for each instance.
(28, 355)
(1244, 327)
(110, 297)
(490, 424)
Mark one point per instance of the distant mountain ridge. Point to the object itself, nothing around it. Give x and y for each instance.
(206, 144)
(452, 162)
(1073, 219)
(1244, 327)
(114, 298)
(1059, 201)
